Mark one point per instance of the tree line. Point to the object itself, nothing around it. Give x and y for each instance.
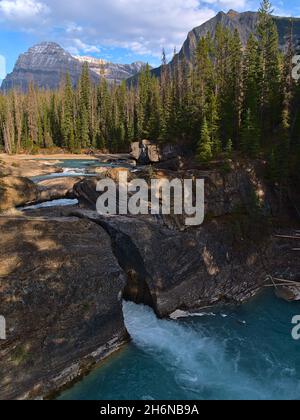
(232, 99)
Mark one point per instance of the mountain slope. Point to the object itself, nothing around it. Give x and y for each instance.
(46, 64)
(111, 71)
(245, 23)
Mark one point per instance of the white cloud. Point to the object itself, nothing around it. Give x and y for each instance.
(82, 46)
(71, 27)
(24, 11)
(141, 26)
(228, 4)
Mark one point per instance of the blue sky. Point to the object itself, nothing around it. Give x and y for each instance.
(116, 30)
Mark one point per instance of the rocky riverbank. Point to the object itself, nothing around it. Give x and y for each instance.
(27, 166)
(64, 271)
(61, 292)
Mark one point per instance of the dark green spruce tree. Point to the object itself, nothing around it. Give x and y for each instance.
(83, 117)
(269, 70)
(68, 115)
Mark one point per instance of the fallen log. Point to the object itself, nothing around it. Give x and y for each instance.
(276, 282)
(287, 237)
(282, 285)
(286, 281)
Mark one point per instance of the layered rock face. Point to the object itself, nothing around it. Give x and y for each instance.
(60, 293)
(171, 270)
(171, 266)
(46, 65)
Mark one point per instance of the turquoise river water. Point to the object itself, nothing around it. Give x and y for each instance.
(245, 352)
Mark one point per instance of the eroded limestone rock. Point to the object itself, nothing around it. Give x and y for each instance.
(60, 292)
(16, 191)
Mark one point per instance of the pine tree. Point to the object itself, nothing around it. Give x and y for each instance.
(156, 111)
(269, 69)
(251, 77)
(203, 77)
(250, 135)
(229, 148)
(32, 116)
(295, 131)
(18, 119)
(8, 128)
(288, 90)
(233, 92)
(221, 53)
(272, 167)
(84, 108)
(68, 115)
(103, 111)
(204, 152)
(213, 121)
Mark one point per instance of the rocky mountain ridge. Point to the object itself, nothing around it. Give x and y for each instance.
(245, 23)
(45, 65)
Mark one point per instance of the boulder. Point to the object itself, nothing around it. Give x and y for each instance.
(16, 192)
(60, 293)
(145, 152)
(57, 188)
(113, 173)
(290, 293)
(86, 192)
(154, 154)
(139, 152)
(99, 170)
(109, 172)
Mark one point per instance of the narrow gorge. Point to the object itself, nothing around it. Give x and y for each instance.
(65, 270)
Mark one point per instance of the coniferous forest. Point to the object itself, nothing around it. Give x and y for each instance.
(232, 100)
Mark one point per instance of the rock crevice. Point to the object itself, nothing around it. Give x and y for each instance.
(129, 258)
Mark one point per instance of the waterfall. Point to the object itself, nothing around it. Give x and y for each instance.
(206, 365)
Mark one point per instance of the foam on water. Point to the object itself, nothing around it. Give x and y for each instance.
(240, 353)
(198, 362)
